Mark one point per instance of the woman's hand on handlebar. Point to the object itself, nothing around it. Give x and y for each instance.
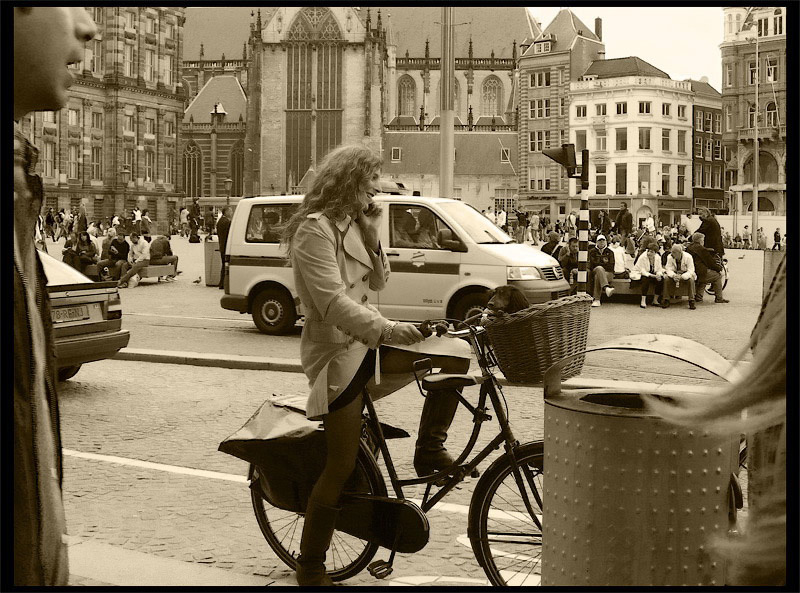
(405, 334)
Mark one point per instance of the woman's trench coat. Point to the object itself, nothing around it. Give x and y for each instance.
(333, 272)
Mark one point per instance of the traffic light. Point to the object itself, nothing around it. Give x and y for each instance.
(585, 168)
(564, 156)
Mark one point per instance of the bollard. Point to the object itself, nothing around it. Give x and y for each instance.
(630, 499)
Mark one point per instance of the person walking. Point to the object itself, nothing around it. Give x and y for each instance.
(184, 218)
(776, 240)
(762, 239)
(624, 223)
(535, 224)
(746, 237)
(46, 40)
(332, 240)
(223, 227)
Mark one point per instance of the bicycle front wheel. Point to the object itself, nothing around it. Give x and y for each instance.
(505, 518)
(347, 555)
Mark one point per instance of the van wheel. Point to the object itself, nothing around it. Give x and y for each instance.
(273, 312)
(470, 304)
(66, 373)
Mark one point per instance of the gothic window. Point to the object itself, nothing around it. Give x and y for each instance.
(193, 170)
(237, 169)
(406, 96)
(492, 96)
(314, 69)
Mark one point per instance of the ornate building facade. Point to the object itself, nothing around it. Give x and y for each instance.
(116, 142)
(708, 163)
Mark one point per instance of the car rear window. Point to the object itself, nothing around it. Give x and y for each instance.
(264, 220)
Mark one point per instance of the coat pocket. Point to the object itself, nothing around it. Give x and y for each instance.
(325, 333)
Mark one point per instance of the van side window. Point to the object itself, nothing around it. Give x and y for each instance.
(414, 227)
(261, 226)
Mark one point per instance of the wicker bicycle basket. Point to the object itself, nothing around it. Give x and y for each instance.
(528, 342)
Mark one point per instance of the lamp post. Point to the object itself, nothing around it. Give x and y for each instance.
(228, 184)
(125, 173)
(754, 202)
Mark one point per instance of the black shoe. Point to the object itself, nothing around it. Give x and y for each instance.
(698, 299)
(665, 304)
(721, 301)
(691, 305)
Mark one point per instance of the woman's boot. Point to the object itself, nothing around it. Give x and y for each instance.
(430, 454)
(314, 543)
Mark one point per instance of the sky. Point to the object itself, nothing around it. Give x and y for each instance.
(683, 41)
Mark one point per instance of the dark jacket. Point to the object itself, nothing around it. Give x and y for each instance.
(703, 260)
(569, 262)
(624, 221)
(710, 228)
(159, 247)
(604, 259)
(223, 226)
(123, 248)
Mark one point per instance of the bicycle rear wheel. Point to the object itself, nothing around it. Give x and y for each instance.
(724, 273)
(347, 555)
(505, 519)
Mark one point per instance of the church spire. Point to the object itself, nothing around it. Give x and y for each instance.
(258, 21)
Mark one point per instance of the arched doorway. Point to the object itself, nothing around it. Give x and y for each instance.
(767, 169)
(764, 205)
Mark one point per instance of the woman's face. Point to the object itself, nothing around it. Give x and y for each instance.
(84, 236)
(368, 189)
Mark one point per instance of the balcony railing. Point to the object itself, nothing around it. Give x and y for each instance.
(461, 63)
(764, 133)
(457, 128)
(625, 81)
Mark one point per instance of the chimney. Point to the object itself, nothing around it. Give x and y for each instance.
(598, 28)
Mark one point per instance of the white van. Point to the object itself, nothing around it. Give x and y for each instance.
(445, 257)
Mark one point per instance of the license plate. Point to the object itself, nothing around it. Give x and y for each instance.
(70, 314)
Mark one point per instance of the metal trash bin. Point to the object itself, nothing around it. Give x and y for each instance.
(630, 499)
(213, 263)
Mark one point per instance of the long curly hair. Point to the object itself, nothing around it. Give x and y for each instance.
(335, 188)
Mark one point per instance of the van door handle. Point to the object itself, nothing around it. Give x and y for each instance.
(394, 253)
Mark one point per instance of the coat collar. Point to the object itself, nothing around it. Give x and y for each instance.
(352, 240)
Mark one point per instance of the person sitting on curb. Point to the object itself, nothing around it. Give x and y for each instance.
(114, 254)
(569, 264)
(679, 268)
(161, 255)
(551, 247)
(139, 258)
(707, 269)
(649, 266)
(601, 266)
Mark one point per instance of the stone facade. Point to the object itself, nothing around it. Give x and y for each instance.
(116, 142)
(739, 107)
(708, 163)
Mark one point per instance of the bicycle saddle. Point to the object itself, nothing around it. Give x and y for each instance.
(441, 381)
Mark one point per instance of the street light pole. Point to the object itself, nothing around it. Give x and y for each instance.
(228, 184)
(754, 230)
(446, 105)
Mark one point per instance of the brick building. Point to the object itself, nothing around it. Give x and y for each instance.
(115, 144)
(550, 61)
(708, 164)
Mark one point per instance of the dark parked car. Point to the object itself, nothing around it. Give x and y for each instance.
(86, 315)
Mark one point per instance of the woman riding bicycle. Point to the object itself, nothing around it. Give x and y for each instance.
(333, 243)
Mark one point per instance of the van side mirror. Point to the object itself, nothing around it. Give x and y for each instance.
(448, 241)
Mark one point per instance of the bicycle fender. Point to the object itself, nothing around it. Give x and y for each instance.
(392, 523)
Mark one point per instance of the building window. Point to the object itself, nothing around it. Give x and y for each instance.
(665, 109)
(716, 180)
(698, 121)
(539, 108)
(772, 115)
(763, 27)
(168, 67)
(622, 138)
(539, 178)
(600, 143)
(127, 122)
(580, 140)
(49, 159)
(728, 119)
(729, 74)
(169, 30)
(169, 165)
(751, 116)
(96, 64)
(149, 165)
(697, 175)
(644, 138)
(562, 137)
(397, 154)
(644, 178)
(562, 106)
(193, 170)
(777, 22)
(505, 155)
(73, 117)
(644, 107)
(621, 179)
(665, 139)
(150, 125)
(718, 123)
(665, 180)
(707, 176)
(149, 65)
(49, 117)
(751, 73)
(130, 20)
(682, 141)
(681, 180)
(601, 108)
(97, 162)
(600, 179)
(127, 60)
(128, 159)
(709, 121)
(169, 127)
(149, 25)
(772, 69)
(539, 140)
(622, 108)
(73, 151)
(97, 120)
(541, 47)
(698, 147)
(717, 150)
(492, 96)
(539, 79)
(682, 111)
(406, 96)
(580, 111)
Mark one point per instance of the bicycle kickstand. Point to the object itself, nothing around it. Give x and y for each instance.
(380, 569)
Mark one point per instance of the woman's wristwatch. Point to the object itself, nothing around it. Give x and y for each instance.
(387, 331)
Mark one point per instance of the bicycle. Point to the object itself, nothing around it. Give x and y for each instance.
(505, 511)
(723, 262)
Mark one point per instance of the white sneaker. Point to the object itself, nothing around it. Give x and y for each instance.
(596, 303)
(609, 290)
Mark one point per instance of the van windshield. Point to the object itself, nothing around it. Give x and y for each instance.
(475, 224)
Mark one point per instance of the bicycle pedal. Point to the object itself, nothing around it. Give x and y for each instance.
(380, 569)
(475, 473)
